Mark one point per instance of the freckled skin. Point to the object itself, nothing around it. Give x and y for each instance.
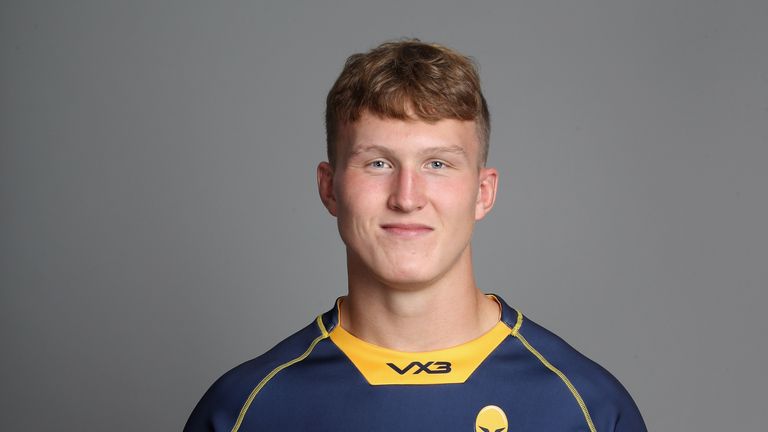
(406, 195)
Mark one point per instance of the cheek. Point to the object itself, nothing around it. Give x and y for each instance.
(458, 197)
(358, 197)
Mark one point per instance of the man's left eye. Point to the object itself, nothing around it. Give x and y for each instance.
(437, 164)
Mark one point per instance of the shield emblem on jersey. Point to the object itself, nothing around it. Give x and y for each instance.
(491, 419)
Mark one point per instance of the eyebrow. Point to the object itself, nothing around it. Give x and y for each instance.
(453, 149)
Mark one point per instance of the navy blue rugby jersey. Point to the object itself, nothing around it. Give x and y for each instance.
(518, 377)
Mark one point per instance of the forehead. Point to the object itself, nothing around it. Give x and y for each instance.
(410, 135)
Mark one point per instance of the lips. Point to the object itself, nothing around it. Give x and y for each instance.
(407, 230)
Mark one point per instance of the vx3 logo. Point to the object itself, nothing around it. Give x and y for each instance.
(430, 367)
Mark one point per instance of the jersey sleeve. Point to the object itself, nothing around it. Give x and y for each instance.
(607, 402)
(220, 406)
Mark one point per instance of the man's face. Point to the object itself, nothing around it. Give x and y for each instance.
(406, 195)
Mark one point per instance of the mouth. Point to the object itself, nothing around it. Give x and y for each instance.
(406, 230)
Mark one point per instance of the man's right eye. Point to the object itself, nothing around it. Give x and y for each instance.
(379, 164)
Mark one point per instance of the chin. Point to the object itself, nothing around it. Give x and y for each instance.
(402, 270)
(408, 277)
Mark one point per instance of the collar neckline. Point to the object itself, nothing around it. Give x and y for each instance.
(384, 366)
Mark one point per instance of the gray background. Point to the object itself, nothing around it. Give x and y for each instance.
(160, 223)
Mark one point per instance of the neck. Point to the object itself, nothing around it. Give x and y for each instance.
(439, 314)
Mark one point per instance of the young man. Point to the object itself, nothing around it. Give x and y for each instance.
(415, 345)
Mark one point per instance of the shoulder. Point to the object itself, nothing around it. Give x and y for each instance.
(220, 406)
(605, 399)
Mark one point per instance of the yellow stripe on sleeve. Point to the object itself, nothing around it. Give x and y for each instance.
(275, 371)
(562, 376)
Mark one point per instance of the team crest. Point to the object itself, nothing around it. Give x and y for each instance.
(491, 419)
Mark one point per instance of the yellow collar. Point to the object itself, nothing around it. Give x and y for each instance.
(382, 366)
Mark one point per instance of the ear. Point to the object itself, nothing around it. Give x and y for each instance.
(325, 186)
(486, 194)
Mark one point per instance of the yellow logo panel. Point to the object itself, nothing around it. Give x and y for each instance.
(491, 419)
(382, 366)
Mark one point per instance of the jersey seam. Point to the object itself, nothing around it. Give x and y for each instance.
(276, 370)
(562, 377)
(518, 324)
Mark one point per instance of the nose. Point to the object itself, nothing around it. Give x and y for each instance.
(407, 194)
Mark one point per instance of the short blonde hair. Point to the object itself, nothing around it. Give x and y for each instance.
(407, 79)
